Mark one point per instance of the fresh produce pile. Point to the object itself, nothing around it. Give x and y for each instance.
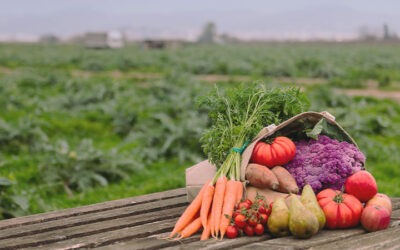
(294, 186)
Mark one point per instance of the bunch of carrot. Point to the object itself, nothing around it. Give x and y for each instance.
(211, 210)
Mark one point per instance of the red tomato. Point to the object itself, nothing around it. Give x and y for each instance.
(279, 152)
(248, 230)
(259, 229)
(232, 232)
(252, 221)
(249, 202)
(263, 218)
(240, 220)
(341, 210)
(244, 205)
(262, 210)
(236, 213)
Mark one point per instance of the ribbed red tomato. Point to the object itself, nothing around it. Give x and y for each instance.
(279, 152)
(341, 210)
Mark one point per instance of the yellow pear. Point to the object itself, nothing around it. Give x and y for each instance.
(278, 221)
(302, 222)
(310, 201)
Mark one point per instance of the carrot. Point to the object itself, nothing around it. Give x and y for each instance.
(190, 229)
(207, 230)
(229, 204)
(239, 191)
(218, 200)
(212, 224)
(206, 203)
(189, 213)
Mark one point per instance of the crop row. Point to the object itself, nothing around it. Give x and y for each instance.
(343, 65)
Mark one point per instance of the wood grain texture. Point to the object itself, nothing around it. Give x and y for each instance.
(109, 205)
(141, 223)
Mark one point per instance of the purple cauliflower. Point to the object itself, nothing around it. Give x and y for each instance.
(324, 163)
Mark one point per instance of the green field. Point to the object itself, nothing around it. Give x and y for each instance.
(81, 126)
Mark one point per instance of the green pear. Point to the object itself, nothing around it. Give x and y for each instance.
(310, 201)
(278, 221)
(302, 222)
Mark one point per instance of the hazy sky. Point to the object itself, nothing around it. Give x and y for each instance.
(254, 18)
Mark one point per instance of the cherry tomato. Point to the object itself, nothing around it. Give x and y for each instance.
(259, 229)
(236, 213)
(240, 220)
(262, 210)
(232, 232)
(252, 221)
(248, 230)
(263, 218)
(249, 201)
(243, 205)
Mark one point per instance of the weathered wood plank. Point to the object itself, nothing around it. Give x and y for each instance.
(59, 240)
(141, 220)
(264, 245)
(39, 218)
(151, 242)
(140, 211)
(193, 242)
(320, 238)
(396, 203)
(220, 244)
(385, 239)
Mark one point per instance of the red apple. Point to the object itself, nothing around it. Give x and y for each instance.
(362, 185)
(374, 218)
(381, 200)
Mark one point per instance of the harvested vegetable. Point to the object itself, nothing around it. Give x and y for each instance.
(287, 184)
(277, 152)
(324, 163)
(206, 203)
(189, 214)
(269, 194)
(341, 210)
(236, 115)
(261, 176)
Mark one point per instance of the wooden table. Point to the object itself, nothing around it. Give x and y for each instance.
(139, 222)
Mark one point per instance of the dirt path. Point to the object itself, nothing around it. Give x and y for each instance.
(213, 78)
(394, 95)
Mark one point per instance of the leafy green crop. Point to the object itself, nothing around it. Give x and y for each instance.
(238, 114)
(84, 167)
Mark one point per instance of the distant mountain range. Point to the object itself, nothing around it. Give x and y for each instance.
(321, 22)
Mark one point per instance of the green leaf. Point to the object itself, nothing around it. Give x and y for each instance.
(5, 182)
(21, 201)
(316, 131)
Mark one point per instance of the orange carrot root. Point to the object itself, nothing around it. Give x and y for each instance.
(191, 229)
(229, 205)
(189, 214)
(218, 200)
(239, 191)
(207, 230)
(206, 203)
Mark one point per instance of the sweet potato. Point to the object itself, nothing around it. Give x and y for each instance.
(269, 194)
(261, 176)
(287, 184)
